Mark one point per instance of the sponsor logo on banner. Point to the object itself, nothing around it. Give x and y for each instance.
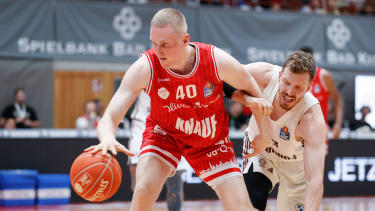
(127, 23)
(338, 33)
(284, 133)
(351, 169)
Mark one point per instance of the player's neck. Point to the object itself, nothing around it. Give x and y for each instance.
(187, 64)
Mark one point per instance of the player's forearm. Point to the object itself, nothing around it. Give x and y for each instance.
(243, 98)
(264, 126)
(339, 111)
(106, 129)
(252, 87)
(314, 194)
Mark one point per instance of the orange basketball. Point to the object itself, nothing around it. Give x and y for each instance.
(95, 177)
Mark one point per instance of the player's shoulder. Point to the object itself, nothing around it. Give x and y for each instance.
(313, 118)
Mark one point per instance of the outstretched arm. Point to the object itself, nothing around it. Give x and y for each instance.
(135, 80)
(337, 101)
(233, 73)
(312, 129)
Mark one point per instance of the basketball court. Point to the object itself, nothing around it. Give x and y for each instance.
(328, 204)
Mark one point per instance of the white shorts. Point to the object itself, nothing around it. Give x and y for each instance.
(136, 135)
(290, 175)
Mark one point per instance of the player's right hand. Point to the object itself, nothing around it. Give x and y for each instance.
(260, 105)
(112, 146)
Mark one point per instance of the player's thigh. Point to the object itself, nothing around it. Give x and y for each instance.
(160, 145)
(151, 173)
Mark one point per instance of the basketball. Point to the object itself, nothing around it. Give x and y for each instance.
(95, 177)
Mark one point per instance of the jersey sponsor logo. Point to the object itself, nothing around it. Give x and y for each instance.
(229, 164)
(163, 79)
(299, 206)
(270, 170)
(222, 148)
(316, 89)
(278, 154)
(174, 106)
(275, 143)
(204, 128)
(208, 89)
(158, 130)
(163, 93)
(262, 162)
(199, 105)
(284, 133)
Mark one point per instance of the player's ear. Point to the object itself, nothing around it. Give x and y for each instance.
(186, 39)
(309, 87)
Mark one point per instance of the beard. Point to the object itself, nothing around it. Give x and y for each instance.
(285, 102)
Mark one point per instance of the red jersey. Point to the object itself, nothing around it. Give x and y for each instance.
(189, 107)
(320, 92)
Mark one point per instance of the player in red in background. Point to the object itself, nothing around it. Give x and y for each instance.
(323, 88)
(185, 83)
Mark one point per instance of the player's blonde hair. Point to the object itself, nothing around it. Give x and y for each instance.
(171, 16)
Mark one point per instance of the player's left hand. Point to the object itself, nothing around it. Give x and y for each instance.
(258, 146)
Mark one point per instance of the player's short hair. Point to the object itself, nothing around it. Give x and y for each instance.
(301, 62)
(171, 16)
(307, 49)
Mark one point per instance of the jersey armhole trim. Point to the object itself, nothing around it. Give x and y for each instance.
(215, 64)
(149, 84)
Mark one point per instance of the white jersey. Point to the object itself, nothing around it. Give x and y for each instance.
(283, 144)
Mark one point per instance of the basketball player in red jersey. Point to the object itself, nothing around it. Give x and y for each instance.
(187, 118)
(323, 88)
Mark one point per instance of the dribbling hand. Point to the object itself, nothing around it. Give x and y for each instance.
(112, 146)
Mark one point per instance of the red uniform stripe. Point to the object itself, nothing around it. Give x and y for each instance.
(221, 173)
(161, 154)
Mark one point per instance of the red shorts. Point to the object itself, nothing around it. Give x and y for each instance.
(213, 164)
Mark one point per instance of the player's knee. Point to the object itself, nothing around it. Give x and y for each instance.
(259, 198)
(143, 187)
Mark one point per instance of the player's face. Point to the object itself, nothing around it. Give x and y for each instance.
(168, 45)
(292, 88)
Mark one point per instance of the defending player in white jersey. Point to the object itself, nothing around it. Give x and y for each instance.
(296, 149)
(175, 194)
